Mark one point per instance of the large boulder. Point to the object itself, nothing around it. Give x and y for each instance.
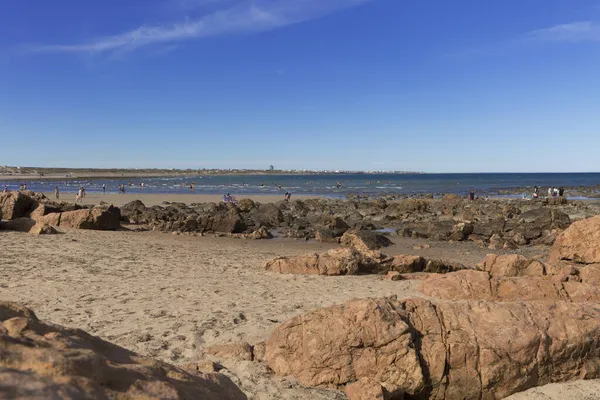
(511, 265)
(477, 285)
(267, 215)
(17, 204)
(133, 211)
(96, 218)
(333, 262)
(365, 240)
(545, 218)
(41, 361)
(580, 243)
(228, 221)
(440, 350)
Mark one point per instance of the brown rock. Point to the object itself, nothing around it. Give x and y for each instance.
(476, 285)
(438, 266)
(365, 240)
(393, 276)
(17, 204)
(205, 366)
(236, 351)
(52, 219)
(43, 229)
(341, 344)
(96, 218)
(440, 350)
(326, 236)
(511, 265)
(333, 262)
(407, 264)
(260, 233)
(365, 389)
(580, 243)
(42, 361)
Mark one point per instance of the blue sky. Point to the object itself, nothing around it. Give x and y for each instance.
(427, 85)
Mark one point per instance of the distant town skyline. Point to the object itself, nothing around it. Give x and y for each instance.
(432, 86)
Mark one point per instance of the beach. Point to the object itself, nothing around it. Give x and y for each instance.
(171, 289)
(169, 296)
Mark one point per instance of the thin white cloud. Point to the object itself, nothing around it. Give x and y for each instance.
(248, 16)
(585, 31)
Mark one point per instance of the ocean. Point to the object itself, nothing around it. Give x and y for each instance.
(335, 186)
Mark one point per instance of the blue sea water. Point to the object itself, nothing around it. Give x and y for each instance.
(323, 185)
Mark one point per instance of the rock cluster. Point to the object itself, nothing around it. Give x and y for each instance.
(46, 361)
(33, 212)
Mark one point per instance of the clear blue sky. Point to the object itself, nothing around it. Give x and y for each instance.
(428, 85)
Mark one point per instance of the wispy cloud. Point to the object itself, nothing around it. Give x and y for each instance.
(585, 31)
(243, 17)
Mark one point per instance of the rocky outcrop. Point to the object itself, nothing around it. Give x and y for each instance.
(511, 265)
(17, 204)
(333, 262)
(579, 244)
(365, 240)
(477, 285)
(440, 350)
(97, 218)
(50, 362)
(28, 225)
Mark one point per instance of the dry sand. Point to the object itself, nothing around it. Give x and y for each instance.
(169, 296)
(151, 199)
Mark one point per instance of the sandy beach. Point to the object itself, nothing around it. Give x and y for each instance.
(170, 296)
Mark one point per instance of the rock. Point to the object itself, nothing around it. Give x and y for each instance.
(259, 351)
(205, 366)
(461, 231)
(43, 229)
(41, 361)
(407, 264)
(438, 266)
(20, 224)
(237, 351)
(326, 236)
(17, 204)
(580, 243)
(342, 344)
(97, 218)
(267, 215)
(49, 219)
(393, 276)
(477, 285)
(224, 221)
(333, 262)
(440, 349)
(260, 233)
(336, 224)
(133, 212)
(246, 205)
(511, 265)
(546, 218)
(365, 240)
(366, 389)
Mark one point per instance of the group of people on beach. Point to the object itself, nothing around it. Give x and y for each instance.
(552, 192)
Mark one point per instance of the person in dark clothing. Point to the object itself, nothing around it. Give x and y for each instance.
(472, 195)
(561, 191)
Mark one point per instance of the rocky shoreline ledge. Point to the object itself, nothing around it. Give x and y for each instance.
(485, 331)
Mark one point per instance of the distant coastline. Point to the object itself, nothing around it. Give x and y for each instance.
(28, 173)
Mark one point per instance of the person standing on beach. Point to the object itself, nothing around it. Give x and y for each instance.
(5, 188)
(56, 194)
(550, 191)
(104, 188)
(561, 191)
